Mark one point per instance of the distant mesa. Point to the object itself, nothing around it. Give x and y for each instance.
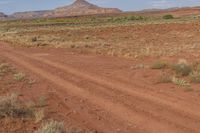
(78, 8)
(2, 15)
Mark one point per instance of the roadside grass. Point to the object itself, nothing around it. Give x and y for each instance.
(181, 74)
(52, 127)
(13, 108)
(10, 106)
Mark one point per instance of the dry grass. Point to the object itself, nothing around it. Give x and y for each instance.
(159, 65)
(180, 82)
(165, 78)
(127, 40)
(10, 106)
(195, 77)
(19, 76)
(39, 115)
(4, 68)
(52, 127)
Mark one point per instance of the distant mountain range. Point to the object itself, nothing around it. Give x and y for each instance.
(79, 7)
(176, 11)
(82, 7)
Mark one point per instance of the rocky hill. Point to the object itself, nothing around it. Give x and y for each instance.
(78, 8)
(82, 7)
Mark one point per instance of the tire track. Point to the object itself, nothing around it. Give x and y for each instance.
(116, 85)
(141, 106)
(115, 109)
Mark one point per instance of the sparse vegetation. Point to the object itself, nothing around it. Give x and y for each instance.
(39, 115)
(52, 127)
(10, 107)
(195, 77)
(182, 68)
(126, 36)
(76, 33)
(3, 68)
(42, 101)
(159, 65)
(168, 16)
(180, 82)
(34, 39)
(196, 66)
(165, 78)
(19, 76)
(138, 66)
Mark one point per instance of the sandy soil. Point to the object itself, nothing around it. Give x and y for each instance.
(104, 94)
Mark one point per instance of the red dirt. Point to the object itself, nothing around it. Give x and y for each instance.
(103, 94)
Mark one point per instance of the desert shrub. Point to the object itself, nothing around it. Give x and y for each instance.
(168, 16)
(127, 18)
(3, 68)
(165, 78)
(196, 66)
(10, 106)
(182, 68)
(138, 66)
(34, 39)
(159, 65)
(52, 127)
(19, 76)
(39, 115)
(179, 82)
(195, 77)
(42, 102)
(93, 19)
(135, 18)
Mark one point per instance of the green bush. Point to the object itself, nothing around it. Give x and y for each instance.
(168, 16)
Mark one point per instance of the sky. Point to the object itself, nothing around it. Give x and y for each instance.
(11, 6)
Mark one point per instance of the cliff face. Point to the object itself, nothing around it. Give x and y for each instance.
(79, 7)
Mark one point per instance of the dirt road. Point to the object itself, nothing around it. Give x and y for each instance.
(103, 94)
